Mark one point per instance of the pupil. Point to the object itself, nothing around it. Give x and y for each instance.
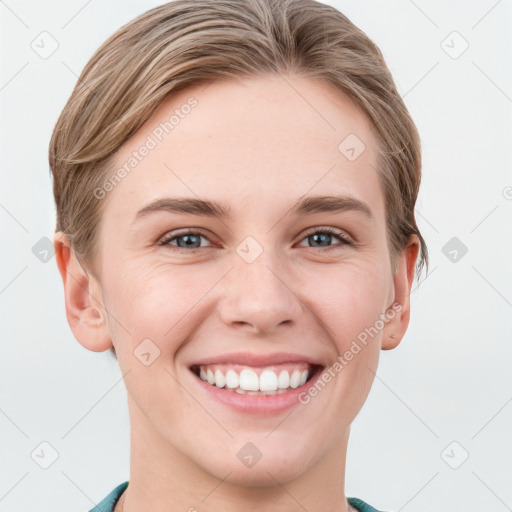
(188, 238)
(315, 237)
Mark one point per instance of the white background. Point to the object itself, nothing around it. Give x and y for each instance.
(449, 380)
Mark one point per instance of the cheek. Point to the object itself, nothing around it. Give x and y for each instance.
(346, 299)
(158, 301)
(167, 302)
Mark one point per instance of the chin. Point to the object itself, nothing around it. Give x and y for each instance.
(269, 466)
(262, 474)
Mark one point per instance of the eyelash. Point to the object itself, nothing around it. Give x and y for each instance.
(344, 239)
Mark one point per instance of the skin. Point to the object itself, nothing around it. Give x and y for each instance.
(256, 146)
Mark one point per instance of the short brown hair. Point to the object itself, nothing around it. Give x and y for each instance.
(185, 43)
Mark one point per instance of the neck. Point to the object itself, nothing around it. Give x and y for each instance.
(164, 479)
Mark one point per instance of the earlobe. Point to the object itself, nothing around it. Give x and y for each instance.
(398, 314)
(82, 293)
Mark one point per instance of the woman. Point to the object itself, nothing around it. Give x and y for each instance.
(235, 185)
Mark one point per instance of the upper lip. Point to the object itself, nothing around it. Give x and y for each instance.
(253, 359)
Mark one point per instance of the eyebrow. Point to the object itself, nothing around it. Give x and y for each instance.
(303, 206)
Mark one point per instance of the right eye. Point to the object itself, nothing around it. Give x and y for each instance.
(186, 240)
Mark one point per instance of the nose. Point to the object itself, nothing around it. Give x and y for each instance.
(257, 297)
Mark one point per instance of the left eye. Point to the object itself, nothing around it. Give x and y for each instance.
(321, 235)
(190, 239)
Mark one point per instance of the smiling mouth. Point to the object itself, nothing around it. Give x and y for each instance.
(248, 380)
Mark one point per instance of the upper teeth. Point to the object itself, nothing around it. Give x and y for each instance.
(248, 379)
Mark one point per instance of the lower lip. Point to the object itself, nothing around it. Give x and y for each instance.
(257, 404)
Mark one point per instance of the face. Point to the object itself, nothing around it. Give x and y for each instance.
(266, 291)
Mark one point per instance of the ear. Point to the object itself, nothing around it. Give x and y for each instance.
(82, 292)
(398, 313)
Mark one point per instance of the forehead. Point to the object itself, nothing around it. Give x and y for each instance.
(262, 141)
